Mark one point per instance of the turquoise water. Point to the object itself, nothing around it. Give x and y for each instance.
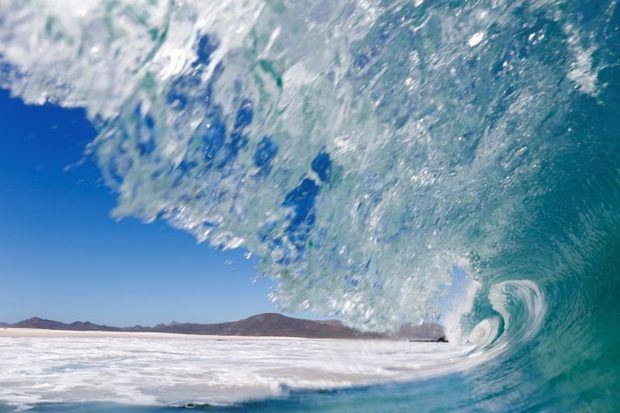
(449, 161)
(421, 396)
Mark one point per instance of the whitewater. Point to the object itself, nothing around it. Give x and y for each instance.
(150, 369)
(384, 161)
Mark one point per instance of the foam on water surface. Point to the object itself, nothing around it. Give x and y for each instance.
(204, 370)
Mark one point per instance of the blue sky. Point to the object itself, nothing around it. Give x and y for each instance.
(63, 257)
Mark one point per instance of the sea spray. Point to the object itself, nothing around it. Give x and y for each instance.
(369, 200)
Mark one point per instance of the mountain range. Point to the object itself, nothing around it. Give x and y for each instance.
(267, 324)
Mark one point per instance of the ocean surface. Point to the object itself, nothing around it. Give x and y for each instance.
(385, 161)
(52, 371)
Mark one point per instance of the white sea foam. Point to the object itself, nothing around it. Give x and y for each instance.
(582, 71)
(475, 39)
(151, 370)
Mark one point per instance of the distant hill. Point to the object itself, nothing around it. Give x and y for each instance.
(36, 322)
(268, 324)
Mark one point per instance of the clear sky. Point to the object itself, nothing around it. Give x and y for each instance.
(63, 257)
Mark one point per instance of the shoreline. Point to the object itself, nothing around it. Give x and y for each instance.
(17, 332)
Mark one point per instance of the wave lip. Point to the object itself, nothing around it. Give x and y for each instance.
(360, 151)
(520, 307)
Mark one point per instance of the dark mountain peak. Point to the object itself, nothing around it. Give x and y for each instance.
(269, 316)
(37, 322)
(41, 323)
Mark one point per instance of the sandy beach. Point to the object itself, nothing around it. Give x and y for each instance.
(42, 333)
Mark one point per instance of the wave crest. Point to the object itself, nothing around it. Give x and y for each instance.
(361, 150)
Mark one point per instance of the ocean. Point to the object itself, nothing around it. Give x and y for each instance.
(60, 371)
(385, 161)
